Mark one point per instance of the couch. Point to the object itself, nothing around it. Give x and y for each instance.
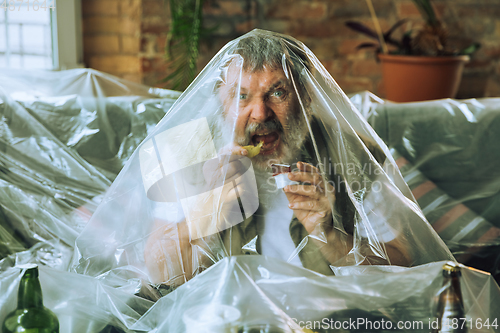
(64, 137)
(447, 151)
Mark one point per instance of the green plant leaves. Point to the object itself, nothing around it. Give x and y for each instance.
(471, 49)
(183, 42)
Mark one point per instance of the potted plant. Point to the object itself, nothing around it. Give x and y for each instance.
(422, 64)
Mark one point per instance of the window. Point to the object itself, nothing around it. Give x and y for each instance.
(40, 34)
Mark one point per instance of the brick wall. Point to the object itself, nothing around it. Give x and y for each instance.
(111, 37)
(318, 23)
(155, 22)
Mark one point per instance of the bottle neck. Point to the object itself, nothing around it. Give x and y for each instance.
(30, 293)
(452, 282)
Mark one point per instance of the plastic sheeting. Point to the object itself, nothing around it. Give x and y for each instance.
(66, 135)
(448, 154)
(261, 295)
(63, 138)
(189, 196)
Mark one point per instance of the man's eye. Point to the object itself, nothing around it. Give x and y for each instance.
(278, 93)
(243, 96)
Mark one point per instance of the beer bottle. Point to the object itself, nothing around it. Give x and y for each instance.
(30, 315)
(450, 306)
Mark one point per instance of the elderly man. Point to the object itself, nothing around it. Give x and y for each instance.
(265, 99)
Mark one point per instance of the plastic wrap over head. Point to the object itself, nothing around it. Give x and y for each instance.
(192, 194)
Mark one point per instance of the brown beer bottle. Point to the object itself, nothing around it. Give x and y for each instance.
(30, 315)
(450, 306)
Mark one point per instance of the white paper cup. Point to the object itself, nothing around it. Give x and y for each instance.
(282, 180)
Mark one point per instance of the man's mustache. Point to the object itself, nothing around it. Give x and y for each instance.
(271, 125)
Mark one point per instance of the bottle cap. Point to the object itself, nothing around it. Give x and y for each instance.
(451, 268)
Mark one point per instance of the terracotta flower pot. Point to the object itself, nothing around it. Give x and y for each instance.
(419, 78)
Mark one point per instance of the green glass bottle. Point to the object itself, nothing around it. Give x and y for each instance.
(30, 316)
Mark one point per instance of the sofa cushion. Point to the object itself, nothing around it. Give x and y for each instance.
(462, 229)
(453, 143)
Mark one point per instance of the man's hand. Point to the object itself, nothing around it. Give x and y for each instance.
(312, 203)
(227, 168)
(229, 193)
(168, 252)
(224, 177)
(312, 200)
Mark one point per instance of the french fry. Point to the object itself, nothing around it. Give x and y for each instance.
(254, 150)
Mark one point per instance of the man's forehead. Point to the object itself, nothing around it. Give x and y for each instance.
(235, 71)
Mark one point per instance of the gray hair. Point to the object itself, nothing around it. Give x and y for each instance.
(263, 49)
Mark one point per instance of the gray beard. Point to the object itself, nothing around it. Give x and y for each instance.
(290, 148)
(289, 152)
(297, 133)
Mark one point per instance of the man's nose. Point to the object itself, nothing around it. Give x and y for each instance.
(260, 111)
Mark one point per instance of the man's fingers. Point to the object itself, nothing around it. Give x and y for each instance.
(305, 190)
(306, 177)
(233, 149)
(239, 150)
(306, 167)
(225, 168)
(309, 174)
(311, 206)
